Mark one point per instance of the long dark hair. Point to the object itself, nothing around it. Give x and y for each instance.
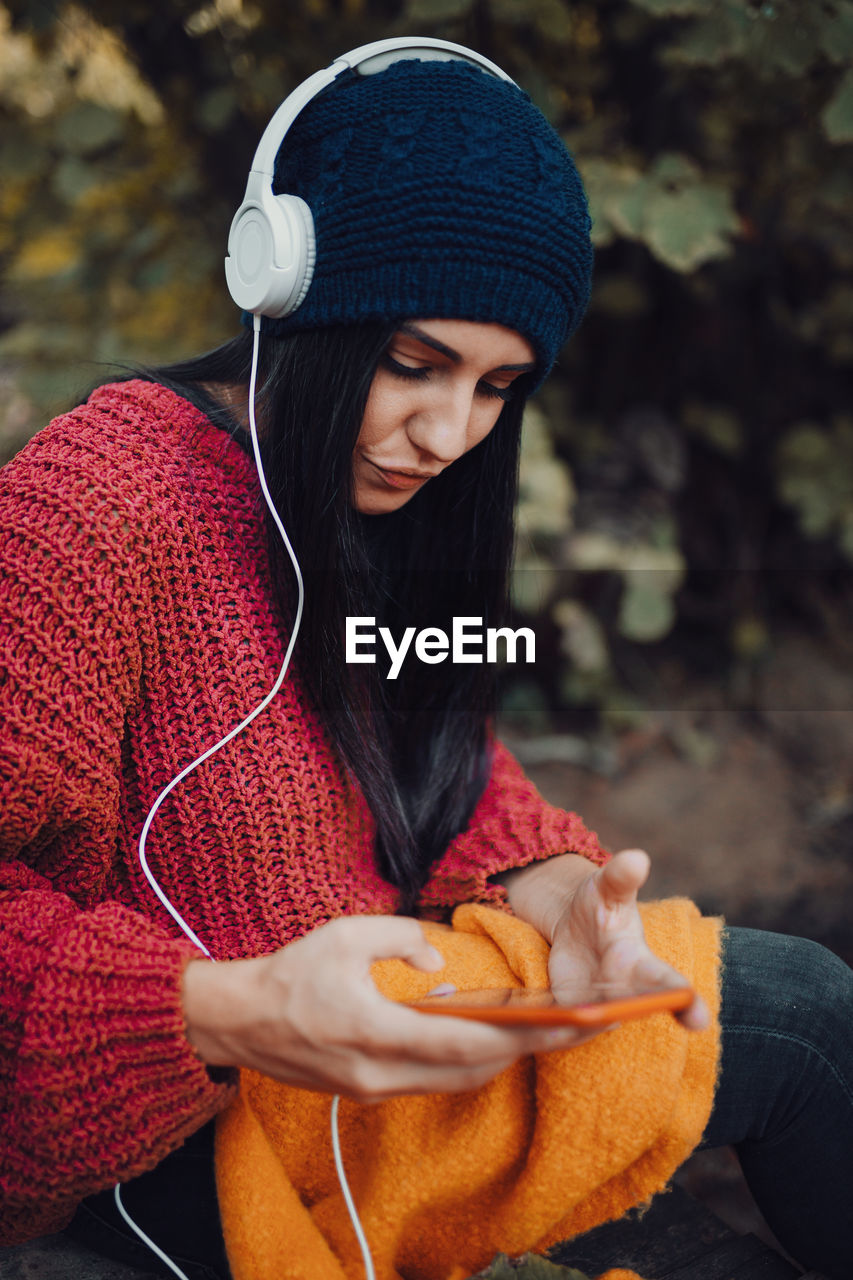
(418, 746)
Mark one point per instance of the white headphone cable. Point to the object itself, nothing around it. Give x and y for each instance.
(167, 790)
(350, 1203)
(164, 1257)
(370, 1274)
(232, 733)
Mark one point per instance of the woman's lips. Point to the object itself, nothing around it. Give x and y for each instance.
(402, 479)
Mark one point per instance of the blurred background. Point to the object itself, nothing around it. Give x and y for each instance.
(686, 517)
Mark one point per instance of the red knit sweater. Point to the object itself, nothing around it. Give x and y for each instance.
(137, 625)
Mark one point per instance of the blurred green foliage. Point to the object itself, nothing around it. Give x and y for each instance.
(687, 479)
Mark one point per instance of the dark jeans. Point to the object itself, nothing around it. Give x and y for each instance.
(174, 1204)
(784, 1100)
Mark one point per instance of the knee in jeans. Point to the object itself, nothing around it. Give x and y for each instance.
(809, 992)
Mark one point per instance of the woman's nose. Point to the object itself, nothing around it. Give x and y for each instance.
(440, 426)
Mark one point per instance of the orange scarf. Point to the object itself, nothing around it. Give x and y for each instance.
(551, 1147)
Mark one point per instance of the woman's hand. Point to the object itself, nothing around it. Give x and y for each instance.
(590, 917)
(310, 1015)
(598, 938)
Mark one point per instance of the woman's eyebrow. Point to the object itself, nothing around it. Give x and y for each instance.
(443, 349)
(415, 332)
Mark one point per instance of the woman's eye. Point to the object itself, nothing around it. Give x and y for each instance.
(496, 393)
(420, 373)
(416, 373)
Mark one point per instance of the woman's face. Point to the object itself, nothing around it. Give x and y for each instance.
(438, 391)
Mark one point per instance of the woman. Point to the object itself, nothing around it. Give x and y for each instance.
(146, 605)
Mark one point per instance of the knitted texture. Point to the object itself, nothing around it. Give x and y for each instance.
(138, 625)
(552, 1146)
(438, 191)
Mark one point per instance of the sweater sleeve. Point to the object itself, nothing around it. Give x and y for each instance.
(97, 1078)
(511, 826)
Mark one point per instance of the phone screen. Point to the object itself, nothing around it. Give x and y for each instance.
(599, 1006)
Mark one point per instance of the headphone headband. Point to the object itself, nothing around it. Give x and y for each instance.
(271, 244)
(367, 59)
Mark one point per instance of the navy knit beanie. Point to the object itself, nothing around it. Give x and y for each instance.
(438, 191)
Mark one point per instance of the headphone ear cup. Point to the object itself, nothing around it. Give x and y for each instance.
(299, 213)
(271, 254)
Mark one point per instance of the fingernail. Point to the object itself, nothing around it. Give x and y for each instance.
(435, 958)
(443, 989)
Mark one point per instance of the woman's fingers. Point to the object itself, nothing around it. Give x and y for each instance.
(450, 1055)
(374, 1080)
(334, 1031)
(623, 876)
(697, 1016)
(600, 944)
(387, 938)
(310, 1015)
(650, 971)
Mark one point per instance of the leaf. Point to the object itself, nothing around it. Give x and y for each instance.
(776, 37)
(682, 217)
(814, 466)
(837, 115)
(672, 169)
(50, 254)
(836, 31)
(785, 40)
(621, 192)
(710, 41)
(73, 178)
(532, 583)
(674, 8)
(437, 10)
(661, 568)
(651, 575)
(608, 185)
(716, 425)
(626, 208)
(582, 638)
(688, 227)
(513, 12)
(19, 159)
(217, 108)
(594, 552)
(749, 636)
(546, 496)
(23, 342)
(696, 746)
(546, 493)
(530, 1266)
(535, 435)
(645, 613)
(87, 127)
(500, 1269)
(533, 1267)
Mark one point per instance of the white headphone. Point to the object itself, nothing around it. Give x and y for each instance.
(271, 244)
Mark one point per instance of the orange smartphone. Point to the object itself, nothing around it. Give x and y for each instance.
(508, 1007)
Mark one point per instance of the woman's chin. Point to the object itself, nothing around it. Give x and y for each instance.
(371, 502)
